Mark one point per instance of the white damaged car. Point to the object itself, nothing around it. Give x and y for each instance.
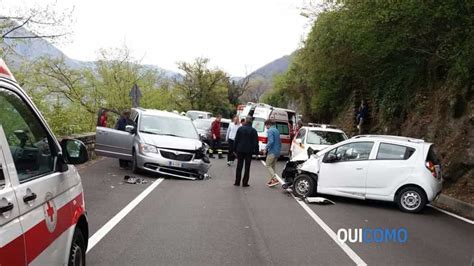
(387, 168)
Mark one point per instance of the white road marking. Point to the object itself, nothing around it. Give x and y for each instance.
(105, 229)
(326, 228)
(452, 214)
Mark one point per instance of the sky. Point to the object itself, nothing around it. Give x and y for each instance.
(238, 36)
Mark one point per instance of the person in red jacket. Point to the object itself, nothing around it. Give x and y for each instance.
(216, 138)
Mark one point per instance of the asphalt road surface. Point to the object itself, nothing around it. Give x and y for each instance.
(212, 222)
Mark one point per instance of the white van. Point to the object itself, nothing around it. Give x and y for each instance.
(261, 112)
(42, 211)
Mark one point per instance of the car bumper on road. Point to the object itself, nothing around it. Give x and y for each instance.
(192, 169)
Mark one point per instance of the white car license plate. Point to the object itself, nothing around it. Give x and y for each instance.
(175, 164)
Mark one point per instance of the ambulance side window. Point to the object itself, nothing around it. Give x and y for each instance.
(30, 144)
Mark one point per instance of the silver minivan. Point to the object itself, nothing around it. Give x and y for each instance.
(159, 142)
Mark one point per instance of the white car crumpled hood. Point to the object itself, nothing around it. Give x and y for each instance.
(312, 165)
(170, 142)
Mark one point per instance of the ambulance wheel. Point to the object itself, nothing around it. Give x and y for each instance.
(77, 255)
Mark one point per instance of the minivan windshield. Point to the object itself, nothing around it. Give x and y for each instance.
(168, 126)
(318, 137)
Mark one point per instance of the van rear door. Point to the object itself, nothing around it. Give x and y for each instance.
(284, 129)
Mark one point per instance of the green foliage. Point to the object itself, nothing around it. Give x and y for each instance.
(202, 88)
(386, 49)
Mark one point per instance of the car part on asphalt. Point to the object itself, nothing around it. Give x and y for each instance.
(319, 200)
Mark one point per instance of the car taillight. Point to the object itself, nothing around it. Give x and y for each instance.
(263, 140)
(431, 167)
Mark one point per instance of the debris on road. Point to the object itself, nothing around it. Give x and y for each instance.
(318, 200)
(135, 180)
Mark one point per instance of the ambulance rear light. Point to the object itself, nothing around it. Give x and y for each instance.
(5, 72)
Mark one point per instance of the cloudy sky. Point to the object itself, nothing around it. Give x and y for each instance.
(237, 35)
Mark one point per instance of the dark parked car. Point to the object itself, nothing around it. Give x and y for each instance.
(203, 127)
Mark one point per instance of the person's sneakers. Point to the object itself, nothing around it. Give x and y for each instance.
(237, 185)
(246, 185)
(228, 163)
(273, 183)
(220, 156)
(212, 156)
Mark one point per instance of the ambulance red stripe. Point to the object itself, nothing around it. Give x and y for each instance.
(38, 238)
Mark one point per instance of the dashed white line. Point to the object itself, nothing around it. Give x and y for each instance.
(354, 257)
(105, 229)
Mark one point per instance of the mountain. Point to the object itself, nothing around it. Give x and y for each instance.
(273, 68)
(27, 50)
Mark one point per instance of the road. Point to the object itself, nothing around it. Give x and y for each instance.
(212, 222)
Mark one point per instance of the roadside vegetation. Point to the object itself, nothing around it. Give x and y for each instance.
(412, 61)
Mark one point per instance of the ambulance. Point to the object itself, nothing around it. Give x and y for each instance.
(260, 113)
(42, 212)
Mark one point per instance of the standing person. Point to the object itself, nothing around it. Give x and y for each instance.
(230, 137)
(246, 145)
(272, 150)
(216, 138)
(299, 125)
(124, 121)
(362, 116)
(102, 122)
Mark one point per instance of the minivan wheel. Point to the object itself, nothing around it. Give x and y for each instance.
(77, 254)
(304, 186)
(411, 199)
(135, 168)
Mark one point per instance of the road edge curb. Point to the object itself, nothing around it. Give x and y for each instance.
(451, 204)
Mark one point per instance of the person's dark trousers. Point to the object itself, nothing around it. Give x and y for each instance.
(247, 159)
(230, 155)
(216, 147)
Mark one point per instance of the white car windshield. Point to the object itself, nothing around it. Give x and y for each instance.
(202, 124)
(168, 126)
(318, 137)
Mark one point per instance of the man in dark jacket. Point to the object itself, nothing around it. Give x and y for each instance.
(246, 145)
(216, 138)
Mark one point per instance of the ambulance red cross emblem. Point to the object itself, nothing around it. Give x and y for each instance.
(50, 213)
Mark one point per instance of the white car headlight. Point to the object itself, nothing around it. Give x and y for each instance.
(145, 148)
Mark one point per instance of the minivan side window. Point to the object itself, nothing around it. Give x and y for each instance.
(356, 151)
(394, 152)
(30, 144)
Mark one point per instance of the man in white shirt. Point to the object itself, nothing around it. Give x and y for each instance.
(230, 137)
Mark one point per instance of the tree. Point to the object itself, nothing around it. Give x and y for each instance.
(201, 87)
(256, 88)
(44, 22)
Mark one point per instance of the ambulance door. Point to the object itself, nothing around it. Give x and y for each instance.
(43, 189)
(12, 242)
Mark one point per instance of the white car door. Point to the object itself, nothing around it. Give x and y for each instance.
(390, 168)
(297, 145)
(42, 190)
(343, 170)
(12, 242)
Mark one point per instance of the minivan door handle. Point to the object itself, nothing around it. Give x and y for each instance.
(6, 208)
(30, 197)
(359, 168)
